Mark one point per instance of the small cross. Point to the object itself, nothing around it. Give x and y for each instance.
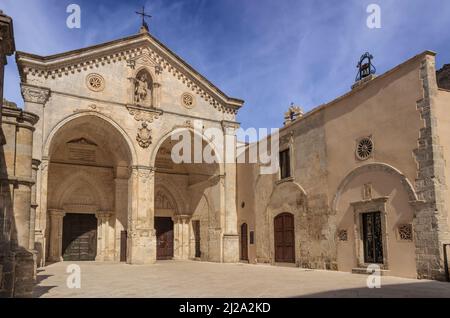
(144, 15)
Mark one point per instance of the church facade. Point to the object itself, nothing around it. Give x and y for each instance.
(362, 180)
(106, 187)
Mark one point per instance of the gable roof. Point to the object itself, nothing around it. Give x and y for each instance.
(123, 49)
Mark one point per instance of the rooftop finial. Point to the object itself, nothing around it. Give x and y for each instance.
(144, 26)
(294, 112)
(365, 66)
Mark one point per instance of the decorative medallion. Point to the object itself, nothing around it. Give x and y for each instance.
(364, 148)
(188, 100)
(405, 232)
(144, 136)
(95, 82)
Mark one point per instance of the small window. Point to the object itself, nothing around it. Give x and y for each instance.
(285, 164)
(252, 237)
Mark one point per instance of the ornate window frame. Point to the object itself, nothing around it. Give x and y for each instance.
(359, 208)
(286, 143)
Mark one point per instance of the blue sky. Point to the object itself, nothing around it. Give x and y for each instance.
(269, 53)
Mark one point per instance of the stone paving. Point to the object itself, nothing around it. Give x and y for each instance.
(201, 279)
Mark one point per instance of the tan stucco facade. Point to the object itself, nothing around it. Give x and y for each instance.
(403, 113)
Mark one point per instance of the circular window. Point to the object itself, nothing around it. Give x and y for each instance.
(364, 148)
(95, 82)
(187, 100)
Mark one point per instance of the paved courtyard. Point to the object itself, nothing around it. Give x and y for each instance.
(202, 279)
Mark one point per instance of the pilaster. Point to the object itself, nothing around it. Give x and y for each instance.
(141, 245)
(56, 232)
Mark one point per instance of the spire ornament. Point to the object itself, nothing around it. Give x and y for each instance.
(144, 26)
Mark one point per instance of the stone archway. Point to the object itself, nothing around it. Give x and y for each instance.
(89, 161)
(180, 192)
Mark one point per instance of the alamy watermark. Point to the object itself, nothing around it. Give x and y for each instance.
(374, 279)
(215, 145)
(73, 21)
(374, 19)
(74, 278)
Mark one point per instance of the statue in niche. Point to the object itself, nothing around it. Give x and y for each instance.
(143, 89)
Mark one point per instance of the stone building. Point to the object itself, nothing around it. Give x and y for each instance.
(107, 188)
(362, 179)
(17, 256)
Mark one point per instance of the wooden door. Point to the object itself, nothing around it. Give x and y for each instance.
(79, 237)
(164, 238)
(244, 242)
(123, 246)
(372, 238)
(284, 238)
(196, 229)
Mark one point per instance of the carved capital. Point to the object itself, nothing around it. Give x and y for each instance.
(230, 127)
(103, 215)
(35, 94)
(57, 213)
(144, 173)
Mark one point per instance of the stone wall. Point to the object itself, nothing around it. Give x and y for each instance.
(329, 181)
(16, 250)
(17, 260)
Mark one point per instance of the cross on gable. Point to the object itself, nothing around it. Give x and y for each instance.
(144, 15)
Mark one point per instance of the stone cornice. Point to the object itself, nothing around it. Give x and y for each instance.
(125, 50)
(21, 115)
(34, 94)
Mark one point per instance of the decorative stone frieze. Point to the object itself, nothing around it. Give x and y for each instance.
(35, 94)
(144, 114)
(133, 54)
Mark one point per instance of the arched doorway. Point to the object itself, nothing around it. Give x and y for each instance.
(193, 197)
(284, 238)
(87, 191)
(166, 210)
(244, 242)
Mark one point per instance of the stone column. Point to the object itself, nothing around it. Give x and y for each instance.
(103, 236)
(181, 236)
(41, 228)
(121, 209)
(56, 232)
(35, 98)
(229, 210)
(35, 168)
(141, 245)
